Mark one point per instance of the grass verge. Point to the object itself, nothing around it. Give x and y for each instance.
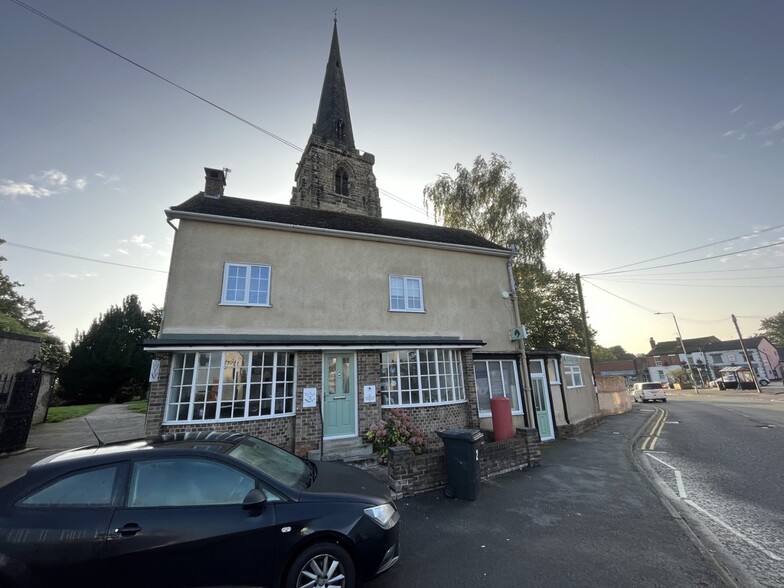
(58, 414)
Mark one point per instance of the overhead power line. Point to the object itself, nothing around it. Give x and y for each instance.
(104, 261)
(609, 273)
(243, 120)
(753, 234)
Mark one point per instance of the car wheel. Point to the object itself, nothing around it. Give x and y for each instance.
(322, 564)
(764, 382)
(449, 492)
(643, 400)
(664, 400)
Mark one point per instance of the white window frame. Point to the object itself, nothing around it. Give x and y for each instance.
(187, 394)
(553, 363)
(407, 303)
(569, 373)
(504, 385)
(447, 372)
(246, 297)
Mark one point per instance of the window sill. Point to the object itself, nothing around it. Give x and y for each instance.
(424, 405)
(244, 304)
(407, 311)
(488, 414)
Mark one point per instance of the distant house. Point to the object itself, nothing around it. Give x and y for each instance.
(632, 370)
(667, 356)
(765, 358)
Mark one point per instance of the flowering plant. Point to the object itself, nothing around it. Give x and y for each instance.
(396, 431)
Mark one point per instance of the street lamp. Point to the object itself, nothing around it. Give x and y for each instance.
(683, 348)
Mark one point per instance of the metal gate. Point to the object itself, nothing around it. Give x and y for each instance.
(18, 394)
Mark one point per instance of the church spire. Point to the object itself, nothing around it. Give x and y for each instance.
(333, 122)
(332, 173)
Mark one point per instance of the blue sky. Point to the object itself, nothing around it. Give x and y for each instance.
(648, 128)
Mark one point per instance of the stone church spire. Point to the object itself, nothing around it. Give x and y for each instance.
(333, 122)
(333, 174)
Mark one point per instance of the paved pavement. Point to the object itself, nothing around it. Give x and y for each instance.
(585, 517)
(113, 422)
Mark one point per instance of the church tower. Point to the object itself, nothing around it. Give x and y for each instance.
(333, 174)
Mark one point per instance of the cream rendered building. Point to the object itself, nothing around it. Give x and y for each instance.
(305, 323)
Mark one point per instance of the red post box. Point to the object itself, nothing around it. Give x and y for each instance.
(501, 408)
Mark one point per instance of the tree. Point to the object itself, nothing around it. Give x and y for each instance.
(20, 315)
(107, 361)
(773, 329)
(487, 200)
(550, 309)
(613, 353)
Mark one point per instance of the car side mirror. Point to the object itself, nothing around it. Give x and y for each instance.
(255, 499)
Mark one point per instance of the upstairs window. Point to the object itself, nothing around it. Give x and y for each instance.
(405, 294)
(246, 285)
(341, 181)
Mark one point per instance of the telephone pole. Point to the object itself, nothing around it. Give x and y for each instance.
(746, 356)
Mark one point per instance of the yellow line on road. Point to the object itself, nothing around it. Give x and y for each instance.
(653, 435)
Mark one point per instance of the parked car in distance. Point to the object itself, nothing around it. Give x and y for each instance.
(194, 509)
(648, 391)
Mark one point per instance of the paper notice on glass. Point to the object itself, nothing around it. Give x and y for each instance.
(309, 397)
(370, 394)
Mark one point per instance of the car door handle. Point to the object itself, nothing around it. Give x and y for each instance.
(128, 530)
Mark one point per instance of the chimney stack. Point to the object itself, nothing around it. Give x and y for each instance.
(214, 182)
(653, 343)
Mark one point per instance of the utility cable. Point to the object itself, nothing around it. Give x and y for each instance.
(753, 234)
(189, 92)
(608, 273)
(61, 254)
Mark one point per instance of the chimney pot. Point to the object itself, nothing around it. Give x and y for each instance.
(653, 343)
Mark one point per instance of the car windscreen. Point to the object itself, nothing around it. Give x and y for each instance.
(273, 461)
(652, 386)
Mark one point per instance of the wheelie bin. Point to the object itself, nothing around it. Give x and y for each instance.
(461, 450)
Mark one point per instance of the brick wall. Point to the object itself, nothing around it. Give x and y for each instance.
(411, 474)
(307, 420)
(576, 429)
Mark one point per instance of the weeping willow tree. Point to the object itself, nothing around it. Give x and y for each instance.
(487, 200)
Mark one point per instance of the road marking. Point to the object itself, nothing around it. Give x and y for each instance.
(653, 436)
(738, 534)
(678, 477)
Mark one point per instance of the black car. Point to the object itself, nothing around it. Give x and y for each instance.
(194, 509)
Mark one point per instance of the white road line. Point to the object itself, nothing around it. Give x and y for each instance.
(678, 478)
(661, 461)
(679, 482)
(738, 534)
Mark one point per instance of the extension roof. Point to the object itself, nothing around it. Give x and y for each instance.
(283, 216)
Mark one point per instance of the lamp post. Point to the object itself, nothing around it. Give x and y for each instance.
(683, 348)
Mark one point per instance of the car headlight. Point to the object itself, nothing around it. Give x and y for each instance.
(385, 515)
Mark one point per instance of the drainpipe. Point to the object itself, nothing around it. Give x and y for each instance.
(521, 342)
(563, 394)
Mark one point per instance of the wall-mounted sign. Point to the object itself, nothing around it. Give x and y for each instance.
(370, 394)
(155, 370)
(309, 396)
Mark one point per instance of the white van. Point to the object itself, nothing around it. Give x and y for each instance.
(645, 391)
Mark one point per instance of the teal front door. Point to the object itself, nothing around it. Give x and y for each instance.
(340, 395)
(544, 418)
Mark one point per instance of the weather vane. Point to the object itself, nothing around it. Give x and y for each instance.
(335, 12)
